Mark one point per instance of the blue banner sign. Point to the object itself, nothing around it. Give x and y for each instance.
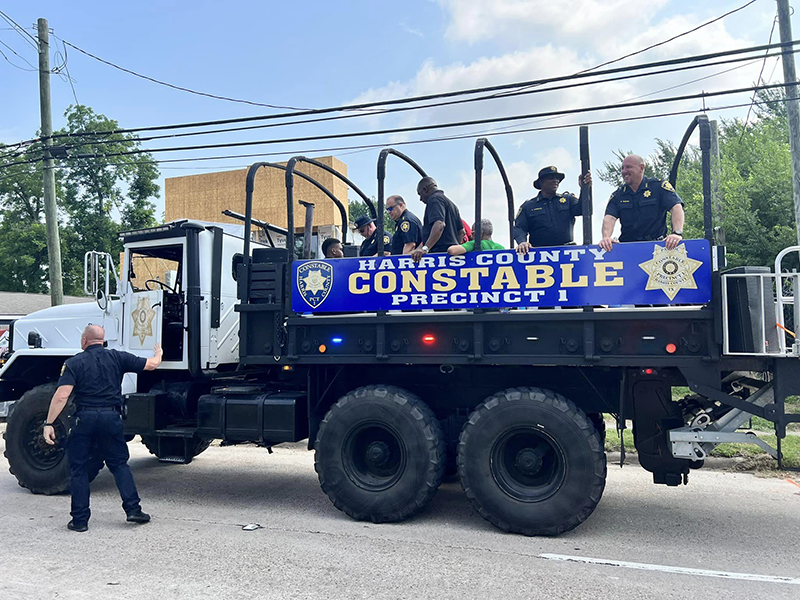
(633, 273)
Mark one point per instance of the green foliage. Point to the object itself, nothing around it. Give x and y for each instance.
(97, 197)
(754, 181)
(356, 208)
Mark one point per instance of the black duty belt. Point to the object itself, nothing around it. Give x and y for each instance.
(114, 408)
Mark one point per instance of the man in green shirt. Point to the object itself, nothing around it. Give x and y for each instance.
(486, 241)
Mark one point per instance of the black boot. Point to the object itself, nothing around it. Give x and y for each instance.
(137, 516)
(79, 527)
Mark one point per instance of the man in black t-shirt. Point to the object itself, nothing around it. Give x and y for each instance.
(94, 377)
(441, 225)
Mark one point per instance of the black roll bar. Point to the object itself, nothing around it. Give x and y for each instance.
(705, 152)
(586, 190)
(480, 144)
(382, 157)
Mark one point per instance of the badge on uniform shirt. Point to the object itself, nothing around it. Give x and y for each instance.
(405, 226)
(647, 193)
(667, 186)
(562, 199)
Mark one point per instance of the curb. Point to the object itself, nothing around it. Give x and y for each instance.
(716, 463)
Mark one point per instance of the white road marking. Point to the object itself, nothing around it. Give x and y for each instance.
(668, 569)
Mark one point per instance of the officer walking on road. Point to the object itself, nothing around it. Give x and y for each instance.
(407, 227)
(549, 218)
(641, 204)
(95, 377)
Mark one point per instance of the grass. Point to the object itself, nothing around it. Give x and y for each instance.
(790, 447)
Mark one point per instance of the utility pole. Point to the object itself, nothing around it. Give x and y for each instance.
(790, 79)
(50, 214)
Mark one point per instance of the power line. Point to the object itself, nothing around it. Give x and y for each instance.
(177, 87)
(32, 68)
(21, 30)
(447, 103)
(563, 112)
(364, 147)
(657, 64)
(760, 73)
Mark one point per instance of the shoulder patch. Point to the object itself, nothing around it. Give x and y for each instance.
(386, 239)
(519, 212)
(667, 186)
(405, 226)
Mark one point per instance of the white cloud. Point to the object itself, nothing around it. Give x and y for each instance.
(476, 20)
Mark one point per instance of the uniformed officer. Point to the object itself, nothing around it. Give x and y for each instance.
(407, 227)
(95, 377)
(549, 218)
(641, 205)
(369, 247)
(441, 224)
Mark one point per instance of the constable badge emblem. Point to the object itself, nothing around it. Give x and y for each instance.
(143, 318)
(553, 169)
(314, 280)
(562, 200)
(667, 186)
(647, 193)
(670, 271)
(405, 226)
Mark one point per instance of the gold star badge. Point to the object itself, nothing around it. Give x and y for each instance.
(142, 319)
(562, 200)
(314, 282)
(553, 169)
(405, 226)
(647, 193)
(670, 271)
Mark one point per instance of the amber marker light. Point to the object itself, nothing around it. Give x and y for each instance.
(323, 348)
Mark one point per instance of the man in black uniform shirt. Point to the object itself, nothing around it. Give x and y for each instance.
(407, 228)
(441, 225)
(369, 247)
(641, 205)
(549, 218)
(95, 377)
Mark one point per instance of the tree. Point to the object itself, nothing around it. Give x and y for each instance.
(89, 191)
(357, 208)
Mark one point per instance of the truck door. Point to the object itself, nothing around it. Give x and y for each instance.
(155, 304)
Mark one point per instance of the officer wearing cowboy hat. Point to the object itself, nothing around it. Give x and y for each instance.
(366, 227)
(548, 219)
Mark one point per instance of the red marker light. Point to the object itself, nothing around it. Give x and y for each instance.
(671, 348)
(428, 339)
(648, 371)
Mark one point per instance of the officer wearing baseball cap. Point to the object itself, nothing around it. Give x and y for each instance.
(365, 225)
(548, 219)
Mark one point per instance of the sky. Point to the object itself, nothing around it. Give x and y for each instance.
(318, 54)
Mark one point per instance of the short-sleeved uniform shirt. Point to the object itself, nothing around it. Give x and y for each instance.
(439, 207)
(643, 214)
(96, 374)
(370, 247)
(407, 230)
(547, 221)
(485, 245)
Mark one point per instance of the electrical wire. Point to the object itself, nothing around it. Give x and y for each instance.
(32, 68)
(178, 87)
(448, 103)
(21, 31)
(763, 64)
(366, 147)
(414, 99)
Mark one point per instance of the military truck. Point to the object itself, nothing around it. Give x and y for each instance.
(494, 366)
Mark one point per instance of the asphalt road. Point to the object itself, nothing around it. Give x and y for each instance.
(195, 546)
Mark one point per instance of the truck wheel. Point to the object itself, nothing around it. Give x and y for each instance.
(172, 447)
(41, 468)
(531, 462)
(380, 454)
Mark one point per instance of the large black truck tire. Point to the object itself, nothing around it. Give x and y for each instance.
(39, 467)
(380, 454)
(531, 462)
